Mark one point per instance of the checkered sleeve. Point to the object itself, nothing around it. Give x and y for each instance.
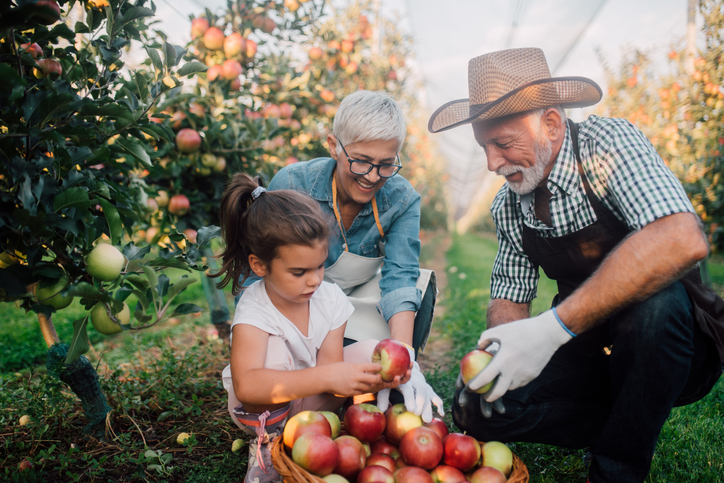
(630, 176)
(514, 276)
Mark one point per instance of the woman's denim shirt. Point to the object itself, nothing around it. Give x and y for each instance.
(398, 205)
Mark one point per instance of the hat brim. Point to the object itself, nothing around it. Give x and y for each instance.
(568, 92)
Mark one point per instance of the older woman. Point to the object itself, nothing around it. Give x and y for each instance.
(374, 254)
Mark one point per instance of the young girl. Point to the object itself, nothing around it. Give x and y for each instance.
(287, 336)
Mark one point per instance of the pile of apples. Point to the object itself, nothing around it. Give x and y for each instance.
(391, 447)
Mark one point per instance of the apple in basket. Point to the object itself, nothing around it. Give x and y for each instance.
(394, 358)
(352, 456)
(364, 421)
(487, 474)
(472, 363)
(498, 456)
(381, 445)
(316, 453)
(412, 474)
(399, 422)
(332, 478)
(305, 422)
(381, 459)
(375, 474)
(439, 426)
(447, 474)
(421, 447)
(334, 422)
(461, 451)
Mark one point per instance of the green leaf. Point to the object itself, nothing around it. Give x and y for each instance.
(137, 281)
(71, 198)
(141, 85)
(150, 274)
(133, 14)
(168, 263)
(169, 55)
(135, 149)
(80, 344)
(183, 309)
(81, 28)
(206, 233)
(115, 225)
(190, 68)
(115, 111)
(179, 287)
(155, 58)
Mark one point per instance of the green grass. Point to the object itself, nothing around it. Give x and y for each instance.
(691, 446)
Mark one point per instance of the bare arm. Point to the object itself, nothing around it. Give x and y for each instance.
(502, 311)
(644, 263)
(401, 326)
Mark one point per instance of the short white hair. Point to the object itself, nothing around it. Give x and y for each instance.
(368, 116)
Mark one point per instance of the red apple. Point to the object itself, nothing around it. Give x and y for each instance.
(497, 455)
(412, 474)
(352, 456)
(269, 25)
(179, 205)
(487, 474)
(316, 453)
(347, 46)
(214, 38)
(334, 423)
(447, 474)
(394, 358)
(364, 421)
(213, 73)
(316, 53)
(177, 119)
(383, 460)
(199, 26)
(439, 426)
(231, 69)
(375, 474)
(235, 85)
(472, 363)
(197, 109)
(285, 110)
(47, 67)
(461, 451)
(381, 445)
(421, 447)
(327, 95)
(26, 465)
(399, 422)
(234, 45)
(250, 49)
(271, 111)
(191, 234)
(291, 160)
(305, 422)
(188, 140)
(33, 49)
(46, 12)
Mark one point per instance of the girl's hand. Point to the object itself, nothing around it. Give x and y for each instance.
(351, 379)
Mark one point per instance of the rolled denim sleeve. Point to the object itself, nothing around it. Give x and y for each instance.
(401, 267)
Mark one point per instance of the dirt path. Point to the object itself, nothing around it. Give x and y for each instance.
(437, 348)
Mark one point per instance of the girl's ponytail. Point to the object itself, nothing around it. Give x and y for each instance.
(254, 221)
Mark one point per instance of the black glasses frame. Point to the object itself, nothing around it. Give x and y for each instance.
(371, 166)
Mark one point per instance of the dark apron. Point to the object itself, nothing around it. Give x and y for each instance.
(571, 259)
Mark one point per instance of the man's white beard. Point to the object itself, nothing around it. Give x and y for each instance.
(532, 175)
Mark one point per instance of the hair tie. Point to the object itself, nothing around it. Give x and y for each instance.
(257, 191)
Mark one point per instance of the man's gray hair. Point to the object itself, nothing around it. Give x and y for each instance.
(368, 116)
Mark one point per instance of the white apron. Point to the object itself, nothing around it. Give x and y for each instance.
(359, 278)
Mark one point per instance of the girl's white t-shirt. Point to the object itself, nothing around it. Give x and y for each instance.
(329, 309)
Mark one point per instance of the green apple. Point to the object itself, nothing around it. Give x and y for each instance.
(105, 262)
(24, 419)
(103, 323)
(51, 295)
(237, 445)
(334, 422)
(497, 455)
(182, 438)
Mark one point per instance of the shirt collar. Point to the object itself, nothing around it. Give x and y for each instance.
(564, 176)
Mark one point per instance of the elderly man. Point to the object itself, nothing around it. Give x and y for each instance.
(595, 206)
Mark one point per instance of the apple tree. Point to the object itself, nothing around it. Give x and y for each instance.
(76, 145)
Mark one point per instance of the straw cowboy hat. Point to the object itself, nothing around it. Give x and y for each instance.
(512, 81)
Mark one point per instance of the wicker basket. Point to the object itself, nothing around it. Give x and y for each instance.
(293, 473)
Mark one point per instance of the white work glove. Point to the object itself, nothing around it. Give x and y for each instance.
(419, 396)
(526, 346)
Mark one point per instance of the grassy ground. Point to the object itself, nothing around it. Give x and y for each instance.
(165, 381)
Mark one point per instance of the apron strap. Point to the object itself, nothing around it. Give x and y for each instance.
(339, 217)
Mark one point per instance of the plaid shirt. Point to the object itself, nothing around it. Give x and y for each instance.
(626, 174)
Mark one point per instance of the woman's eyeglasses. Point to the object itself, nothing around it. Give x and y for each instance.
(363, 167)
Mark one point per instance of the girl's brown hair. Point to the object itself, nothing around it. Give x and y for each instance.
(260, 226)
